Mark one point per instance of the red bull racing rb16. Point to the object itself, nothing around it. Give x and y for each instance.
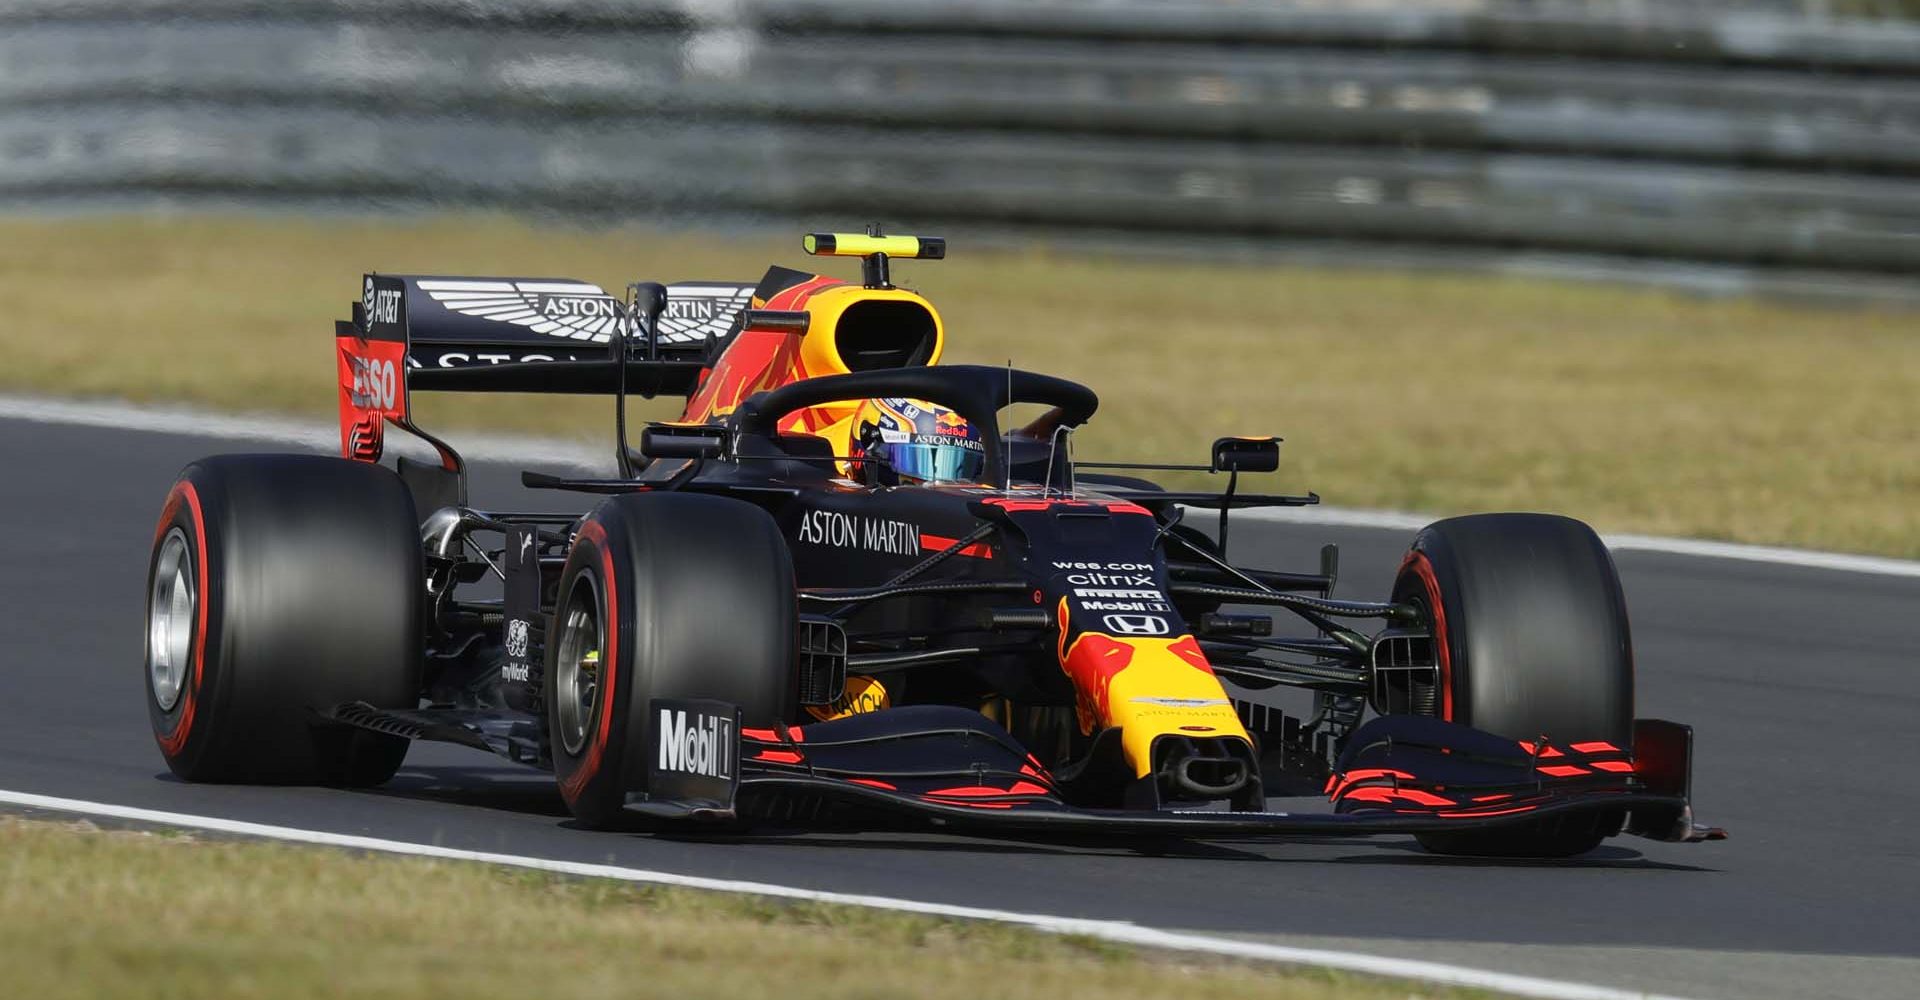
(839, 590)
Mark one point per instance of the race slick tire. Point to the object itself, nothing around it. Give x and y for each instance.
(1530, 632)
(664, 595)
(281, 586)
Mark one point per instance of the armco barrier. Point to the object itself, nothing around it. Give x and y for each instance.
(1733, 136)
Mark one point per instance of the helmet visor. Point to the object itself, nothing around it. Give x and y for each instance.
(937, 463)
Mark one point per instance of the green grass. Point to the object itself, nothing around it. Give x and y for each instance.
(86, 913)
(1636, 410)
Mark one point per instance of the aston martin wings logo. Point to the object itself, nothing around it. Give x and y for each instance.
(697, 310)
(567, 309)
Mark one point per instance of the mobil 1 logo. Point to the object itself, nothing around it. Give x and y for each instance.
(695, 751)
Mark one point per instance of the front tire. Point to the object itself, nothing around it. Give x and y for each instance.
(664, 595)
(279, 586)
(1530, 631)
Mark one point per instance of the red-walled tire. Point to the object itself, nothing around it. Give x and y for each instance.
(1530, 629)
(665, 595)
(280, 585)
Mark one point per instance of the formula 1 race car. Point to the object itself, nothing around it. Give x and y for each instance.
(838, 590)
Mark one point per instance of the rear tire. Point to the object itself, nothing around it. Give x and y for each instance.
(279, 586)
(1530, 630)
(665, 595)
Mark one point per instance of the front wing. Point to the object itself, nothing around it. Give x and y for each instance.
(955, 770)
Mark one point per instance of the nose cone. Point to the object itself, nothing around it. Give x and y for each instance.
(1150, 687)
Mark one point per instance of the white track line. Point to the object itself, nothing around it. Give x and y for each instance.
(308, 435)
(1804, 558)
(530, 450)
(1115, 931)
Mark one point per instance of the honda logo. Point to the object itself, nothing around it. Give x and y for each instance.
(1137, 625)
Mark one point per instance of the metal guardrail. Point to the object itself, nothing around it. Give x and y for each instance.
(1742, 138)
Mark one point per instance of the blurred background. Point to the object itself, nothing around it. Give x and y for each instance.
(1721, 144)
(1665, 250)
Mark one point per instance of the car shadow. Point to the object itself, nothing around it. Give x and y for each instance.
(923, 841)
(1611, 857)
(532, 792)
(1365, 851)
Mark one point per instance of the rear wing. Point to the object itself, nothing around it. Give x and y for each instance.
(547, 335)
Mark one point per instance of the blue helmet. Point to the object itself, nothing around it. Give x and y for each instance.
(912, 441)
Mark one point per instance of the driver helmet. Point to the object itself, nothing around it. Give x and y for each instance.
(906, 441)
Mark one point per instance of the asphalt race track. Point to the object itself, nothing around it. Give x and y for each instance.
(1803, 686)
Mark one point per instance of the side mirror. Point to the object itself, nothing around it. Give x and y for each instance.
(794, 321)
(1246, 454)
(683, 441)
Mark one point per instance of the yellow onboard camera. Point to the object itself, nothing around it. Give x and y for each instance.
(874, 249)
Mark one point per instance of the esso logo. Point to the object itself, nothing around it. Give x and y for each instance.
(376, 386)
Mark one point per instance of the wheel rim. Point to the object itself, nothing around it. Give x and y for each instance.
(170, 620)
(576, 687)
